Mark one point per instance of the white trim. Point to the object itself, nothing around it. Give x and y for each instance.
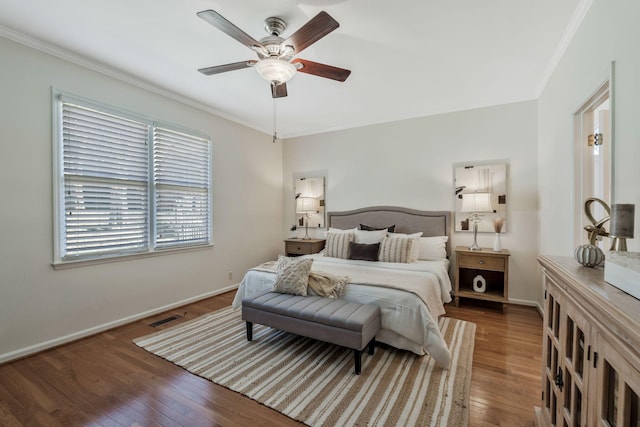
(527, 303)
(127, 78)
(567, 37)
(58, 177)
(61, 265)
(107, 70)
(540, 310)
(32, 349)
(612, 129)
(600, 92)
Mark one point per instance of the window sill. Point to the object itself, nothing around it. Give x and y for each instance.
(62, 265)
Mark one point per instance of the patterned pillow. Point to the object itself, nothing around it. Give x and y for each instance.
(337, 245)
(415, 247)
(397, 249)
(292, 275)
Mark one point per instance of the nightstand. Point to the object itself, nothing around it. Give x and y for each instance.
(486, 270)
(295, 247)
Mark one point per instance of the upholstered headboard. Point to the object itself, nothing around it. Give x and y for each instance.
(431, 223)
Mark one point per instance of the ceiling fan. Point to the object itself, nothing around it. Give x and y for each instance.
(275, 61)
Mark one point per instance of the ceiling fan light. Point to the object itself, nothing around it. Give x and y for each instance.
(275, 70)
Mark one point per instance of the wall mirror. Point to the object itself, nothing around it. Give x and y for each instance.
(309, 201)
(484, 186)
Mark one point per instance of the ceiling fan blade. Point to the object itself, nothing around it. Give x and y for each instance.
(221, 23)
(226, 67)
(322, 70)
(318, 27)
(279, 91)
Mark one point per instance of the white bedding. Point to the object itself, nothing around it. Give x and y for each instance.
(408, 322)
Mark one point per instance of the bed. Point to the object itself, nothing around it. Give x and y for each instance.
(411, 295)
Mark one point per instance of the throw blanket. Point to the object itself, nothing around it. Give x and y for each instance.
(321, 283)
(408, 281)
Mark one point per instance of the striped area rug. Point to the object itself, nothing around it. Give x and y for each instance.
(313, 382)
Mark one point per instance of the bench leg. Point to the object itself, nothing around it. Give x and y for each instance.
(357, 355)
(249, 331)
(372, 345)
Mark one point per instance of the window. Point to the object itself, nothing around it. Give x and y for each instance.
(126, 185)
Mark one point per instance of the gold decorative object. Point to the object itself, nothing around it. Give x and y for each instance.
(596, 231)
(591, 255)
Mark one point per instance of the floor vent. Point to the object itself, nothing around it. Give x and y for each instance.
(167, 320)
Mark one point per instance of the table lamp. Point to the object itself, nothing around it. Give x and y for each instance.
(475, 203)
(306, 206)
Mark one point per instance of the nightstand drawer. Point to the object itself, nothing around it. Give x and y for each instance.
(299, 248)
(481, 262)
(294, 247)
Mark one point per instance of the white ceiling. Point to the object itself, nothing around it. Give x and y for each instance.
(409, 58)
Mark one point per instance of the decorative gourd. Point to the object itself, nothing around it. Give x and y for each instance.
(589, 255)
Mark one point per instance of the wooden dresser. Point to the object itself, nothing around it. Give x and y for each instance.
(590, 349)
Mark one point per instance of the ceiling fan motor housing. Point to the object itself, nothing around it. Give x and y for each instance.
(272, 44)
(274, 25)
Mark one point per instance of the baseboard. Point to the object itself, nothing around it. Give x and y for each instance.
(27, 351)
(527, 303)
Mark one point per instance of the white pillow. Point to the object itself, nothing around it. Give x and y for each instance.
(415, 246)
(339, 230)
(369, 237)
(433, 248)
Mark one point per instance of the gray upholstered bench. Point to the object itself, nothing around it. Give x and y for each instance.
(335, 321)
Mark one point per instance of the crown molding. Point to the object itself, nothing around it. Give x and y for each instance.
(565, 40)
(112, 72)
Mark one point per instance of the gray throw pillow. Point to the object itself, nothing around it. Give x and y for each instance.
(292, 275)
(364, 252)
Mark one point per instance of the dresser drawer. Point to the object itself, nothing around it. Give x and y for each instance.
(481, 262)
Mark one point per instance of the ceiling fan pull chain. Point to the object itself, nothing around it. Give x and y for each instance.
(275, 134)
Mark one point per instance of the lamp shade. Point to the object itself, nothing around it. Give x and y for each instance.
(622, 219)
(476, 202)
(275, 70)
(306, 205)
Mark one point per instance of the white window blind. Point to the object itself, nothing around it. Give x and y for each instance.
(181, 176)
(126, 185)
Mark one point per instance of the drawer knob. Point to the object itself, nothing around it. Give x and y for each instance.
(481, 262)
(299, 248)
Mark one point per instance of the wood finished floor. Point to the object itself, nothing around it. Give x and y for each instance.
(107, 380)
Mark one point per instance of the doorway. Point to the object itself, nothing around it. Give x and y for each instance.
(593, 152)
